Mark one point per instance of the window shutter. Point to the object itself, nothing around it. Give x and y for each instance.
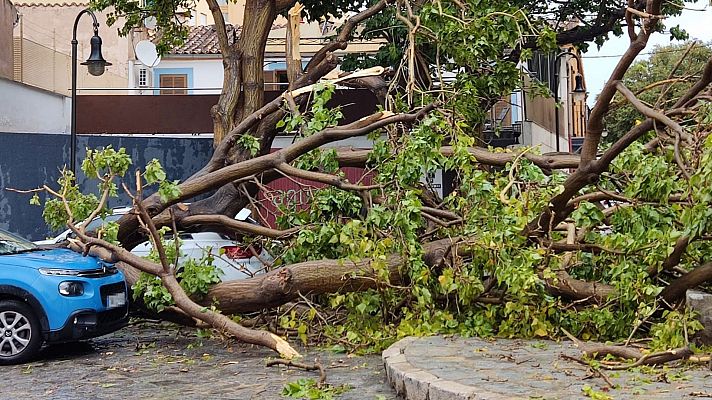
(179, 82)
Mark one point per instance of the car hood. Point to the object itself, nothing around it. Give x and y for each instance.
(52, 258)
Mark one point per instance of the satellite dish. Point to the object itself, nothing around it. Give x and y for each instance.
(149, 22)
(147, 54)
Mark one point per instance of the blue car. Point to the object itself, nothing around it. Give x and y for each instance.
(54, 296)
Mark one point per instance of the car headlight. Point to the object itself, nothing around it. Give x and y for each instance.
(71, 288)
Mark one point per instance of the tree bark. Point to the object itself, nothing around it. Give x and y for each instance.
(314, 277)
(675, 292)
(258, 20)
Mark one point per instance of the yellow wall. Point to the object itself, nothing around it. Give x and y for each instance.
(43, 47)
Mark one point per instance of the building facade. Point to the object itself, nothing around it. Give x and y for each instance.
(43, 37)
(531, 120)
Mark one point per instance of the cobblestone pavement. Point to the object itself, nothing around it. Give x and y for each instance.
(456, 368)
(146, 361)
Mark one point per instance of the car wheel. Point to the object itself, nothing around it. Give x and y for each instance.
(20, 332)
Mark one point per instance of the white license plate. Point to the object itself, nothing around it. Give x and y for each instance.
(115, 300)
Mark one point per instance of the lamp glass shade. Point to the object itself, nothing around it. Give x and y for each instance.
(579, 93)
(95, 68)
(96, 63)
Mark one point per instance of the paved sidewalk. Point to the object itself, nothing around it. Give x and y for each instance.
(163, 362)
(438, 368)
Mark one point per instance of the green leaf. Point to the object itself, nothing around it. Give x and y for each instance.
(169, 190)
(154, 172)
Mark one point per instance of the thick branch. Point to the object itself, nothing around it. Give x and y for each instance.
(674, 258)
(220, 28)
(650, 113)
(566, 286)
(594, 127)
(358, 158)
(675, 291)
(240, 226)
(328, 179)
(294, 57)
(313, 277)
(546, 162)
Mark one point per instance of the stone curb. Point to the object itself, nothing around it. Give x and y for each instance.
(414, 383)
(453, 367)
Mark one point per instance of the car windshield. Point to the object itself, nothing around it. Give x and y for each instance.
(10, 244)
(97, 223)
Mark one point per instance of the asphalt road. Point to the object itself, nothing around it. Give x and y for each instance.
(150, 361)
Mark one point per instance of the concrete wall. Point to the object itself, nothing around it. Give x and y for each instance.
(27, 109)
(8, 15)
(31, 160)
(534, 134)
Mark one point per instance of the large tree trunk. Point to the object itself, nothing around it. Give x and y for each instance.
(259, 17)
(224, 111)
(311, 277)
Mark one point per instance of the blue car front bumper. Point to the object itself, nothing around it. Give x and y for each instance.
(86, 324)
(88, 315)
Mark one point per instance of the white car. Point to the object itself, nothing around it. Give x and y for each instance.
(236, 261)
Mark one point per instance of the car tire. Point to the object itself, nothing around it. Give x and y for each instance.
(20, 332)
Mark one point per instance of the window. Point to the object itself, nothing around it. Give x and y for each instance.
(276, 80)
(203, 19)
(97, 223)
(177, 81)
(540, 67)
(143, 77)
(516, 100)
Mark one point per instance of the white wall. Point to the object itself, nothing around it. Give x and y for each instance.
(535, 135)
(206, 74)
(27, 109)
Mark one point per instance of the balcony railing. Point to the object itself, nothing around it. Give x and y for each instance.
(502, 135)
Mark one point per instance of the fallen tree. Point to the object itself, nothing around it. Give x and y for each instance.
(519, 248)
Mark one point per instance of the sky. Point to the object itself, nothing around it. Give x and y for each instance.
(598, 64)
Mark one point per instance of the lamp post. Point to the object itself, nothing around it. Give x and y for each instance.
(96, 65)
(578, 94)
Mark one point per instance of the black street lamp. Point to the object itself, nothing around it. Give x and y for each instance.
(96, 65)
(578, 94)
